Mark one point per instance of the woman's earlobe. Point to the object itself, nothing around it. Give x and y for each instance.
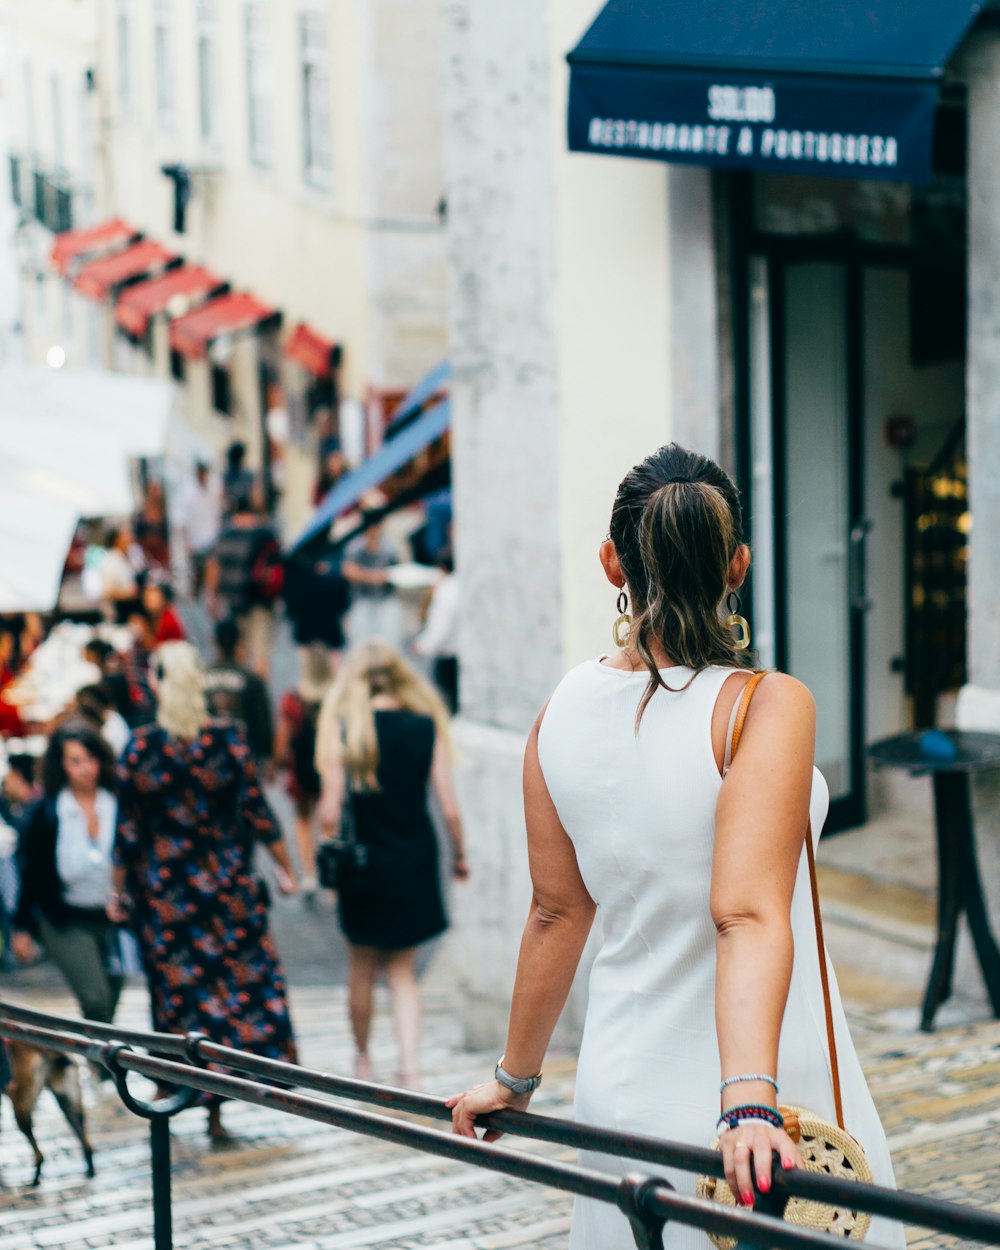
(611, 564)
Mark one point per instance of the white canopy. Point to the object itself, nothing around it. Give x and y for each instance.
(66, 439)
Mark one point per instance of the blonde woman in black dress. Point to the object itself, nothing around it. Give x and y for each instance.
(382, 744)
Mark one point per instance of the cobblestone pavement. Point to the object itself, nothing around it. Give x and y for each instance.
(287, 1183)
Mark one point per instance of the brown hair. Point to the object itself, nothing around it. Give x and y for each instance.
(676, 524)
(83, 732)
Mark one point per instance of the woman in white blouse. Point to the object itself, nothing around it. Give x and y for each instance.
(64, 859)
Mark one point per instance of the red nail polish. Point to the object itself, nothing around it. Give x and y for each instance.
(764, 1184)
(788, 1163)
(747, 1198)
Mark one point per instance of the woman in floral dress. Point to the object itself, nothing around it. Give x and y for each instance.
(190, 814)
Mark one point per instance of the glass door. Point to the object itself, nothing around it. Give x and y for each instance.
(807, 525)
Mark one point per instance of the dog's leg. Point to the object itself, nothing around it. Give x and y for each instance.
(29, 1067)
(22, 1115)
(65, 1085)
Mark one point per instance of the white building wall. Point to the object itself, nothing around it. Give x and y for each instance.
(360, 257)
(57, 128)
(564, 311)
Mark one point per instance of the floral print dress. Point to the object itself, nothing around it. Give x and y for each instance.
(189, 815)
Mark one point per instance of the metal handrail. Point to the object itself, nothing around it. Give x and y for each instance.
(648, 1201)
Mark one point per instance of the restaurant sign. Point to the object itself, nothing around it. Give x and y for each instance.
(846, 127)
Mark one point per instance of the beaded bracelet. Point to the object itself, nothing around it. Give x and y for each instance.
(755, 1111)
(750, 1076)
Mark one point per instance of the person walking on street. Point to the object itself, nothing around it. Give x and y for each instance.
(382, 745)
(438, 640)
(237, 482)
(64, 866)
(158, 605)
(118, 569)
(295, 751)
(135, 669)
(316, 597)
(245, 578)
(374, 611)
(152, 528)
(191, 812)
(18, 790)
(234, 693)
(199, 517)
(96, 704)
(706, 989)
(104, 657)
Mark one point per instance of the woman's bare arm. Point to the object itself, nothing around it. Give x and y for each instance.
(761, 819)
(560, 919)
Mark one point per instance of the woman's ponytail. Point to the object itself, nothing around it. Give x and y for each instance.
(676, 527)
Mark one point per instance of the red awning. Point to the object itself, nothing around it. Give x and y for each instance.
(175, 292)
(229, 314)
(109, 236)
(97, 278)
(311, 350)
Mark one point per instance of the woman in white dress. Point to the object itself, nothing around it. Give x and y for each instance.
(708, 971)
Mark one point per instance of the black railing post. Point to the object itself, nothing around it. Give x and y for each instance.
(158, 1114)
(163, 1215)
(647, 1228)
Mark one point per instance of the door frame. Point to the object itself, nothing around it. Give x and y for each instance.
(779, 251)
(848, 809)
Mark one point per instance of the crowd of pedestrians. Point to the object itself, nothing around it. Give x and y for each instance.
(130, 843)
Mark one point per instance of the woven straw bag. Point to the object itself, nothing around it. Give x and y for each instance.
(823, 1147)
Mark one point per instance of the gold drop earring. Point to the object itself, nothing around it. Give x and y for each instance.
(622, 628)
(735, 621)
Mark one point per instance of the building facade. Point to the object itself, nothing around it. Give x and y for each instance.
(828, 338)
(291, 151)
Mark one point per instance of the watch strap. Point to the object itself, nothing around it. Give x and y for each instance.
(517, 1084)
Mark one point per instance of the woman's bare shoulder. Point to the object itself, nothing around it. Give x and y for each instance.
(781, 691)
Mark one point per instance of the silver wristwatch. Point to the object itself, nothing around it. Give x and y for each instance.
(517, 1084)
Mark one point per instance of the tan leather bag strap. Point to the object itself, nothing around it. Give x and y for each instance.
(741, 715)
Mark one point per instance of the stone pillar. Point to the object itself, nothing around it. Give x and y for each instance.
(505, 458)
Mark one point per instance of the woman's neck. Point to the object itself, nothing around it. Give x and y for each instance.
(83, 796)
(385, 703)
(629, 659)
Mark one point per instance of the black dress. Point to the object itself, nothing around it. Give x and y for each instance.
(397, 902)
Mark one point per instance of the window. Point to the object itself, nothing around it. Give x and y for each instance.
(258, 75)
(126, 83)
(315, 86)
(164, 62)
(222, 390)
(207, 56)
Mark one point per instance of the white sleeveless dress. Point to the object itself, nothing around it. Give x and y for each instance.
(640, 811)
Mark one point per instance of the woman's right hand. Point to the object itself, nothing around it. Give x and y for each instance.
(756, 1140)
(481, 1100)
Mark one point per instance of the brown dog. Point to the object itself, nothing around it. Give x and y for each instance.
(32, 1071)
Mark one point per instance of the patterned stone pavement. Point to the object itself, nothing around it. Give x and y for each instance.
(288, 1184)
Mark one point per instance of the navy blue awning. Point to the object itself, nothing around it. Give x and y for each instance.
(392, 456)
(848, 88)
(419, 397)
